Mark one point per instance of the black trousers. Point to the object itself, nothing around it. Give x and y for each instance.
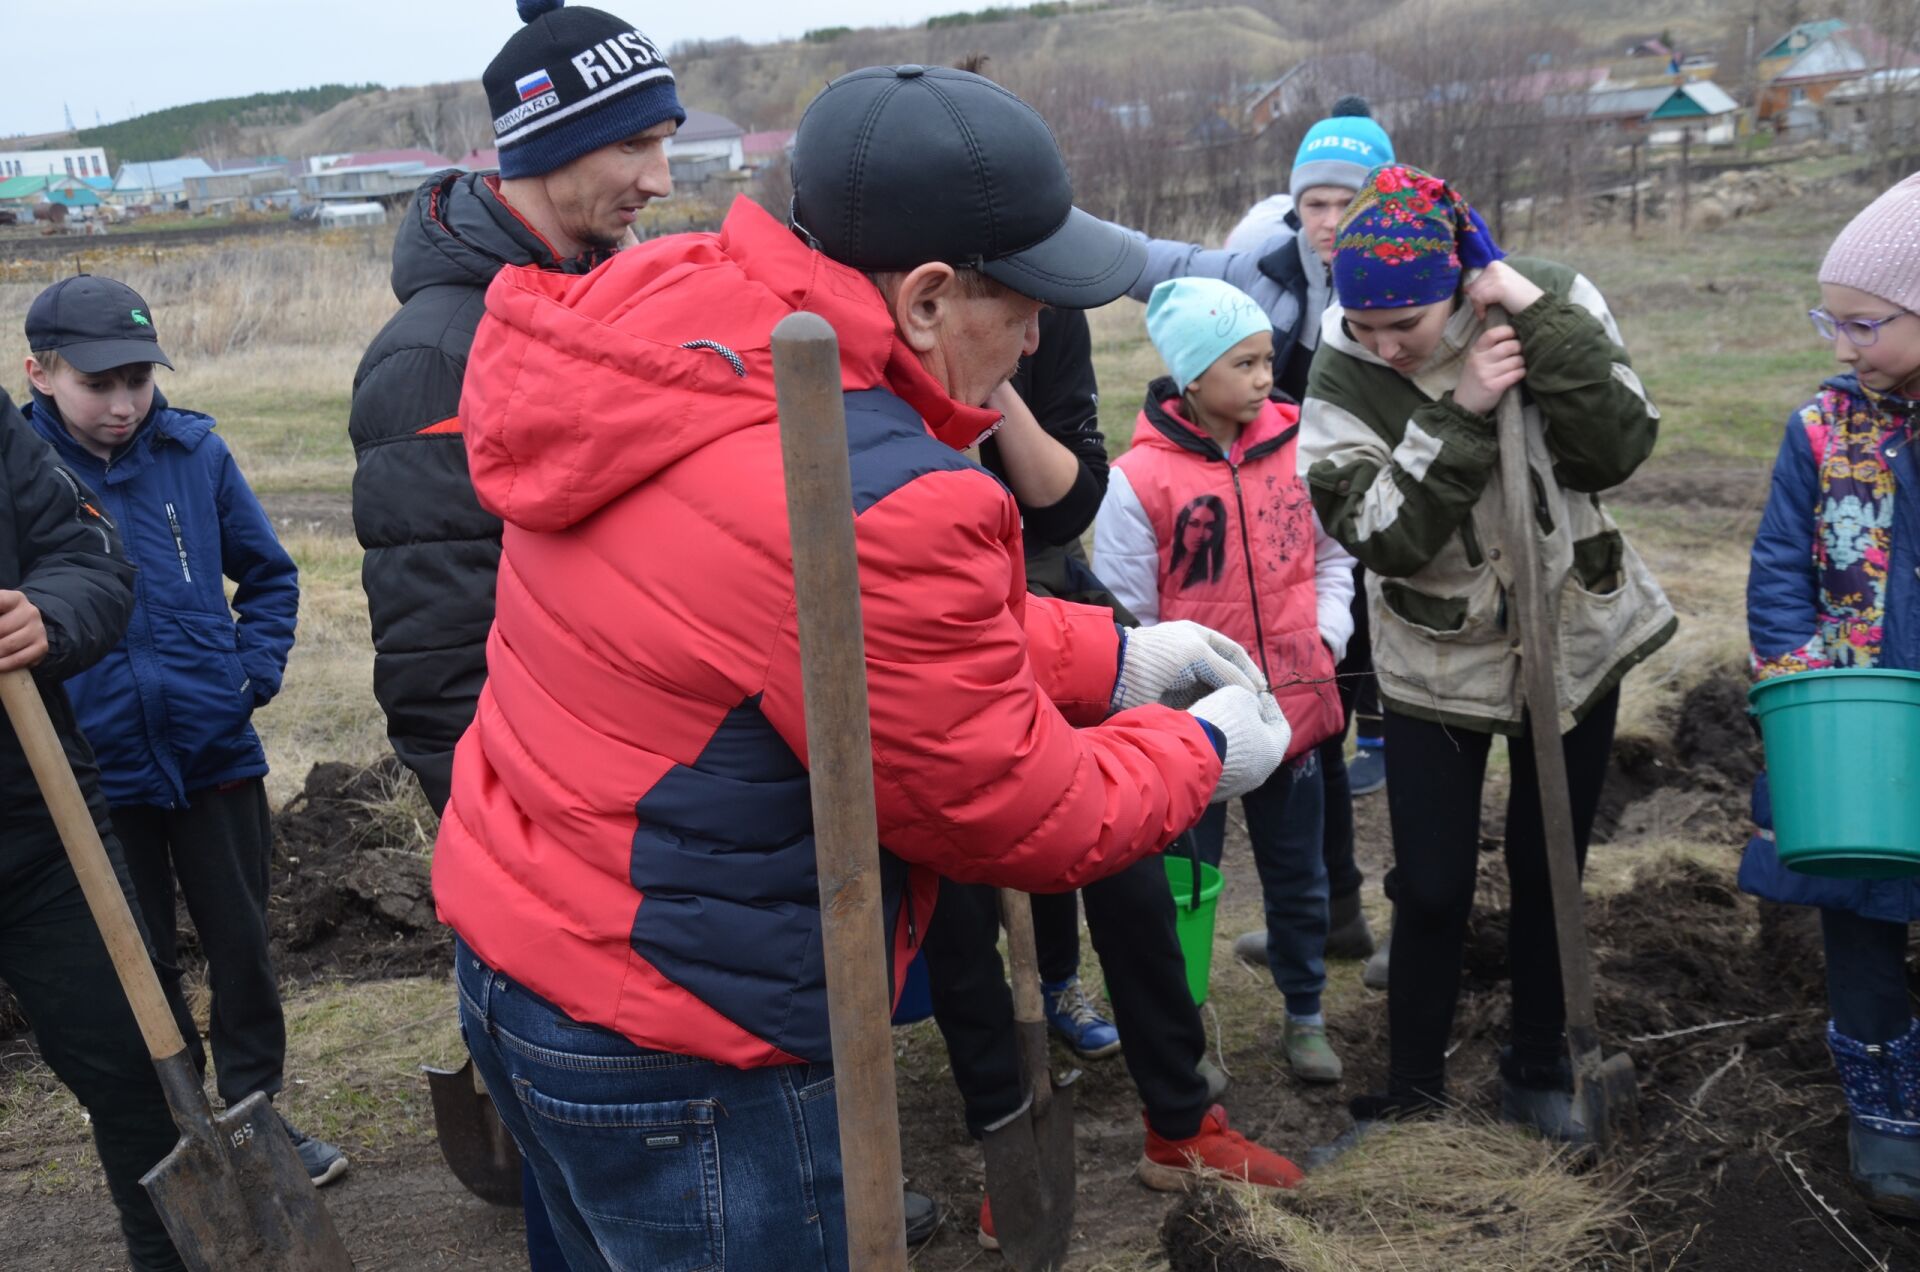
(53, 959)
(1866, 976)
(1360, 700)
(1130, 916)
(220, 848)
(1434, 775)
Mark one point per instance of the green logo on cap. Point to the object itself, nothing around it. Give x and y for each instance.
(140, 318)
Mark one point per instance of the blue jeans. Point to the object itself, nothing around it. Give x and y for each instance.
(1284, 820)
(654, 1161)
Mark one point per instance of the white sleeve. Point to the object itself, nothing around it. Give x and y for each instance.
(1125, 554)
(1262, 221)
(1332, 590)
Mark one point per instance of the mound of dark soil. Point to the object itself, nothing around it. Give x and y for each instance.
(351, 898)
(1695, 785)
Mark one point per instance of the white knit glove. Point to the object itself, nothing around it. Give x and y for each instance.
(1257, 736)
(1177, 663)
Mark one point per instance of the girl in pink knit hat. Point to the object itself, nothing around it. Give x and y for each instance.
(1835, 582)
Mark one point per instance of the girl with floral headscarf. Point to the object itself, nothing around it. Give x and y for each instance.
(1399, 448)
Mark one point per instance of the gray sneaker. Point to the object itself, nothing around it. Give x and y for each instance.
(323, 1161)
(1309, 1054)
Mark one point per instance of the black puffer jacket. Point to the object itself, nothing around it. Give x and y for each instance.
(56, 547)
(431, 552)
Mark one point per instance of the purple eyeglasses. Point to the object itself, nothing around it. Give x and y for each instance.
(1861, 332)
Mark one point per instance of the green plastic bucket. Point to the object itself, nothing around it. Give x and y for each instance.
(1843, 766)
(1193, 918)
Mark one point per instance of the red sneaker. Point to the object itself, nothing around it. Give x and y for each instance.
(985, 1236)
(1172, 1165)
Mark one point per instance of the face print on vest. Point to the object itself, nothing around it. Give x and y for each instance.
(1200, 539)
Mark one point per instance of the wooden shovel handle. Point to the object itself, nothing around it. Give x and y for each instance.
(74, 820)
(833, 663)
(1023, 965)
(1542, 696)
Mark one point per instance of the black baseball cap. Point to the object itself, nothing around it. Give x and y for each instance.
(96, 324)
(896, 166)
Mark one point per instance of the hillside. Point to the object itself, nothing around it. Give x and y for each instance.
(226, 124)
(1128, 48)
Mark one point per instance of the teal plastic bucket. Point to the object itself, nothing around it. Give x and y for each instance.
(1843, 765)
(1193, 918)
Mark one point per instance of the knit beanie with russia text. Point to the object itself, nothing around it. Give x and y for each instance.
(571, 81)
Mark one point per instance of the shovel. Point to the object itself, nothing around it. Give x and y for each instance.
(1606, 1096)
(1030, 1171)
(232, 1193)
(476, 1143)
(833, 667)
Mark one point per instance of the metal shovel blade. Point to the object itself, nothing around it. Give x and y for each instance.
(1607, 1103)
(476, 1143)
(233, 1194)
(1030, 1175)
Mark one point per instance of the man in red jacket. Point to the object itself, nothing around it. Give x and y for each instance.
(627, 858)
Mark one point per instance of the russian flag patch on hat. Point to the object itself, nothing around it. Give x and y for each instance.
(529, 86)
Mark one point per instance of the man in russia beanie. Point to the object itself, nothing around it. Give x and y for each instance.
(571, 81)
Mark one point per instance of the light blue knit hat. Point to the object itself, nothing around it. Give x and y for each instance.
(1192, 321)
(1341, 149)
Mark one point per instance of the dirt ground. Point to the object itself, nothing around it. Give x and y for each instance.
(1742, 1164)
(1720, 1004)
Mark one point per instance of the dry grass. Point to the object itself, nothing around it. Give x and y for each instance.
(1451, 1194)
(326, 709)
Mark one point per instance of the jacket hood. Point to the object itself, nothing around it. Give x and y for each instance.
(580, 388)
(1162, 424)
(459, 231)
(1849, 382)
(187, 429)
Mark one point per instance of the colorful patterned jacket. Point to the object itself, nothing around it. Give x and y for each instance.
(1835, 582)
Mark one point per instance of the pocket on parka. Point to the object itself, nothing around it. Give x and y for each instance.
(1599, 563)
(1441, 616)
(216, 634)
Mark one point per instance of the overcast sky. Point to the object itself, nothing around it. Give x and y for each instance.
(117, 58)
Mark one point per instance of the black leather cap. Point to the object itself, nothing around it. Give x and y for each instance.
(896, 166)
(96, 324)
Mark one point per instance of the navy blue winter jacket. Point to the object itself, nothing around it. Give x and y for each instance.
(1789, 627)
(168, 712)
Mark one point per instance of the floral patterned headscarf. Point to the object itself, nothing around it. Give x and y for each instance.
(1405, 240)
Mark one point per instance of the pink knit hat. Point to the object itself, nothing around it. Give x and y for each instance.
(1879, 251)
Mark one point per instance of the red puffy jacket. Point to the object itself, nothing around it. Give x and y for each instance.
(1229, 540)
(630, 833)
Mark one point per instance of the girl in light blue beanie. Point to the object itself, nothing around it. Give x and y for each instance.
(1192, 321)
(1206, 519)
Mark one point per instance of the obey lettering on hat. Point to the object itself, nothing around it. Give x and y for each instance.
(571, 81)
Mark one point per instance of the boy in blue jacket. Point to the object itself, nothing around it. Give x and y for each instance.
(168, 710)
